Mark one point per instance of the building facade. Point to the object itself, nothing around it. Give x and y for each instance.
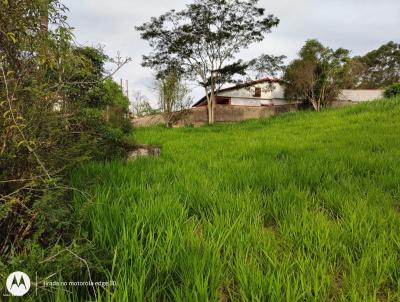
(271, 92)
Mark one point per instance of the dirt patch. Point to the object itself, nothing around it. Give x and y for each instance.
(144, 151)
(337, 286)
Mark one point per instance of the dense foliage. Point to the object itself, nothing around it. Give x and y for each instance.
(204, 39)
(173, 93)
(287, 213)
(318, 75)
(57, 109)
(378, 68)
(392, 91)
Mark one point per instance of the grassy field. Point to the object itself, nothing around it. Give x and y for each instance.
(300, 207)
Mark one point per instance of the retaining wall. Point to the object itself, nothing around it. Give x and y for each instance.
(361, 95)
(223, 114)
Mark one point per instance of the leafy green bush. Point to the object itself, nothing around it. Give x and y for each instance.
(392, 91)
(58, 109)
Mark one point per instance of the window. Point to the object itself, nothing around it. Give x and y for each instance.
(257, 93)
(223, 101)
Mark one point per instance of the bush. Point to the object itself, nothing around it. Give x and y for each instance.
(57, 109)
(392, 91)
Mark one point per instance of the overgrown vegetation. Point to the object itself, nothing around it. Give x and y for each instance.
(379, 68)
(318, 75)
(392, 91)
(57, 109)
(299, 207)
(173, 96)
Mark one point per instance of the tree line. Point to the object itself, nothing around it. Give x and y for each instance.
(203, 41)
(320, 73)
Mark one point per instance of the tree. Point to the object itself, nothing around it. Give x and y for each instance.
(53, 98)
(318, 75)
(173, 94)
(203, 40)
(392, 91)
(141, 105)
(267, 66)
(379, 68)
(117, 105)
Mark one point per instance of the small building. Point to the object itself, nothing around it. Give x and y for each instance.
(259, 99)
(264, 92)
(271, 92)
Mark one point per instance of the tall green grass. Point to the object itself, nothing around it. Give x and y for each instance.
(301, 207)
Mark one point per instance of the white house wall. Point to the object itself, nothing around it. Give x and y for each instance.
(257, 102)
(278, 92)
(248, 92)
(274, 94)
(246, 102)
(267, 102)
(277, 102)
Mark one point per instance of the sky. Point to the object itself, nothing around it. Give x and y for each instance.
(357, 25)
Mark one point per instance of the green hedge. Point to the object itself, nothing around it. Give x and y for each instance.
(392, 91)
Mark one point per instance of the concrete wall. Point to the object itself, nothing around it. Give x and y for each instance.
(359, 95)
(253, 102)
(244, 108)
(147, 121)
(223, 114)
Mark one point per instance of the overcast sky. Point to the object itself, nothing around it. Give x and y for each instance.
(358, 25)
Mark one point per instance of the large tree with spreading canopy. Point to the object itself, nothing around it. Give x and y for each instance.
(204, 39)
(318, 75)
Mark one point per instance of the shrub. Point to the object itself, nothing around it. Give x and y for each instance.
(392, 91)
(57, 109)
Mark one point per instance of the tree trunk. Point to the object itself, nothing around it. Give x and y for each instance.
(44, 16)
(209, 111)
(108, 113)
(315, 105)
(211, 107)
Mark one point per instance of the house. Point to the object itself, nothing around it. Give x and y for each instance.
(264, 92)
(259, 99)
(271, 92)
